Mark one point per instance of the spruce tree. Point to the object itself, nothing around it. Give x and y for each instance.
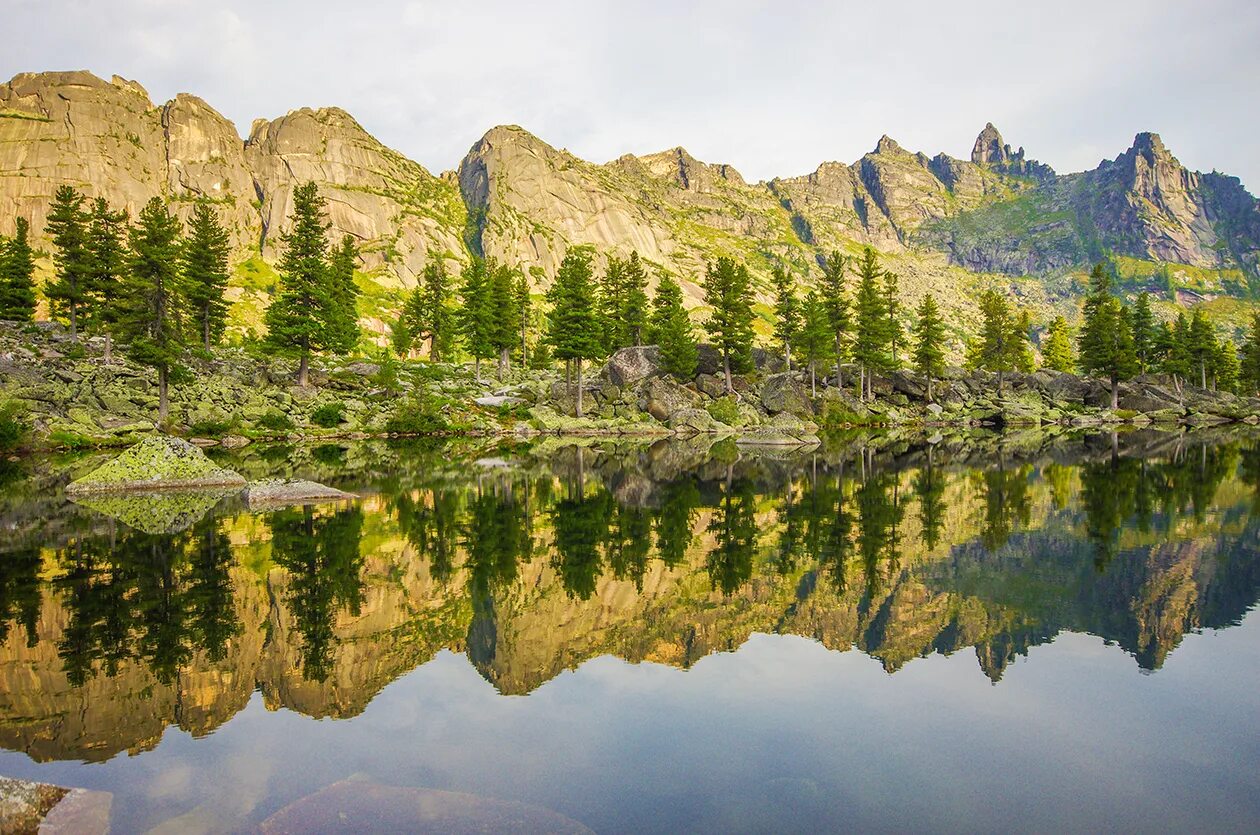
(929, 338)
(505, 314)
(871, 336)
(152, 305)
(524, 308)
(787, 311)
(298, 318)
(1175, 359)
(1025, 360)
(831, 290)
(728, 292)
(1249, 371)
(427, 310)
(892, 325)
(475, 317)
(634, 311)
(1106, 341)
(68, 292)
(1000, 339)
(611, 292)
(670, 329)
(343, 312)
(205, 265)
(574, 326)
(1201, 345)
(815, 337)
(17, 275)
(1056, 352)
(106, 266)
(1142, 323)
(1226, 366)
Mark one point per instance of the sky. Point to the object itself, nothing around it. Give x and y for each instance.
(772, 88)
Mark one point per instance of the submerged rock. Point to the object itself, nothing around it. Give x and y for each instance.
(282, 492)
(160, 463)
(42, 807)
(167, 512)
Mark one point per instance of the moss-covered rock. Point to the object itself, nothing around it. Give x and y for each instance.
(159, 463)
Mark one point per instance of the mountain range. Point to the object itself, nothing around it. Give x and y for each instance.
(946, 225)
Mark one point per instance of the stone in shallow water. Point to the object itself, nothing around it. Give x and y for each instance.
(363, 806)
(160, 463)
(275, 493)
(48, 809)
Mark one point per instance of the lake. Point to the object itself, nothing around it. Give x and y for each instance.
(971, 633)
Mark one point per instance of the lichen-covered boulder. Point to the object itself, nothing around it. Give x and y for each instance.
(784, 393)
(628, 366)
(283, 492)
(664, 397)
(159, 463)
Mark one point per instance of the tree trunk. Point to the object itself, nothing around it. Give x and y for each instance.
(304, 369)
(433, 349)
(839, 376)
(787, 354)
(163, 402)
(477, 369)
(999, 384)
(109, 348)
(862, 384)
(929, 392)
(726, 369)
(813, 386)
(1202, 375)
(579, 386)
(524, 346)
(1115, 391)
(504, 363)
(74, 324)
(205, 331)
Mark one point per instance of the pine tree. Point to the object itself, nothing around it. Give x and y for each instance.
(106, 266)
(1142, 323)
(1001, 343)
(400, 337)
(611, 293)
(17, 275)
(728, 291)
(871, 335)
(67, 226)
(298, 318)
(634, 310)
(1106, 341)
(205, 265)
(505, 315)
(1056, 352)
(815, 342)
(1200, 345)
(343, 313)
(787, 311)
(152, 305)
(670, 328)
(427, 310)
(1226, 366)
(524, 308)
(929, 347)
(574, 326)
(892, 325)
(1250, 363)
(832, 292)
(475, 317)
(1175, 359)
(1026, 360)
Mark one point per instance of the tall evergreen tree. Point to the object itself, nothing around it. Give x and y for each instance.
(573, 323)
(1026, 360)
(205, 265)
(871, 336)
(814, 338)
(728, 292)
(929, 339)
(428, 312)
(670, 328)
(1056, 352)
(106, 265)
(68, 292)
(892, 324)
(1001, 343)
(505, 314)
(152, 315)
(1250, 361)
(787, 311)
(343, 312)
(1226, 366)
(634, 311)
(524, 308)
(1142, 323)
(1106, 341)
(17, 275)
(833, 294)
(298, 318)
(475, 316)
(1201, 345)
(611, 292)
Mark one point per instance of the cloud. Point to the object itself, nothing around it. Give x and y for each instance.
(772, 88)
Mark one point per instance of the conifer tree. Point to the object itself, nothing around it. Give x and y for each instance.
(505, 314)
(611, 300)
(634, 310)
(68, 292)
(728, 292)
(1226, 366)
(929, 347)
(574, 326)
(298, 318)
(1106, 341)
(1200, 345)
(343, 314)
(205, 265)
(17, 275)
(892, 324)
(524, 308)
(815, 337)
(787, 311)
(1142, 323)
(1175, 359)
(1001, 343)
(152, 305)
(831, 290)
(1249, 372)
(475, 317)
(427, 310)
(871, 336)
(106, 265)
(1056, 352)
(400, 337)
(670, 329)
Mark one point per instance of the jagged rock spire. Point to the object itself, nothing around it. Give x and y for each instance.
(989, 148)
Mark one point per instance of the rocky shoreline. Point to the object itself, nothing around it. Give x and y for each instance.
(69, 397)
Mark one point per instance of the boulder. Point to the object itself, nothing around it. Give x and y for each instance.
(708, 359)
(629, 366)
(284, 492)
(159, 463)
(785, 393)
(664, 397)
(495, 401)
(711, 384)
(905, 383)
(694, 422)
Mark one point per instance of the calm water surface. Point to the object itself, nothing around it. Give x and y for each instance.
(1018, 633)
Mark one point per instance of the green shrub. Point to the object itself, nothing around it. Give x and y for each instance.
(276, 421)
(13, 428)
(329, 415)
(836, 417)
(74, 351)
(417, 416)
(1125, 414)
(724, 410)
(68, 439)
(210, 428)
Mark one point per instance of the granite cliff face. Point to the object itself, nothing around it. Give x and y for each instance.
(519, 200)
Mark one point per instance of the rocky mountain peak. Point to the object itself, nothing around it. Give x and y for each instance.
(1151, 148)
(989, 148)
(888, 145)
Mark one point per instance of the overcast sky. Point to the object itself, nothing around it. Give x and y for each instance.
(772, 88)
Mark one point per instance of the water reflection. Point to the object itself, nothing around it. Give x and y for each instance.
(537, 563)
